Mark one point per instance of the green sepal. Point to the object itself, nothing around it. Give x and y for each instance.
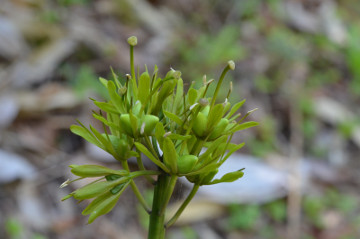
(228, 178)
(89, 170)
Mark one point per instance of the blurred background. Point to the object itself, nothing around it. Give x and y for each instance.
(297, 61)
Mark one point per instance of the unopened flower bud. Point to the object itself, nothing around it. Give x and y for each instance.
(203, 102)
(132, 41)
(231, 65)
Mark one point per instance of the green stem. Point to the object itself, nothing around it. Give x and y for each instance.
(169, 191)
(132, 62)
(142, 167)
(135, 189)
(227, 68)
(156, 226)
(183, 206)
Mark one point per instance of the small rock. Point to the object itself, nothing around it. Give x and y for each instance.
(14, 167)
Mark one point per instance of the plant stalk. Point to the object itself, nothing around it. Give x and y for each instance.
(157, 217)
(183, 206)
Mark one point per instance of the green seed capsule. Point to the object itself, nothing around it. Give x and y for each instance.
(126, 125)
(136, 109)
(186, 163)
(219, 129)
(199, 126)
(150, 123)
(206, 110)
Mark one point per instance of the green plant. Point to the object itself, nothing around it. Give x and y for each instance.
(243, 216)
(183, 134)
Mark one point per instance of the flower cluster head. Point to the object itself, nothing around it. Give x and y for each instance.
(182, 133)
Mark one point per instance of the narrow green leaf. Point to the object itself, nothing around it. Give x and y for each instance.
(178, 96)
(179, 137)
(159, 133)
(105, 121)
(204, 169)
(104, 204)
(212, 147)
(134, 122)
(192, 95)
(83, 132)
(89, 170)
(207, 177)
(116, 78)
(229, 177)
(215, 115)
(243, 126)
(144, 88)
(106, 107)
(170, 156)
(153, 158)
(173, 117)
(165, 91)
(107, 144)
(116, 99)
(103, 81)
(235, 108)
(231, 151)
(97, 188)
